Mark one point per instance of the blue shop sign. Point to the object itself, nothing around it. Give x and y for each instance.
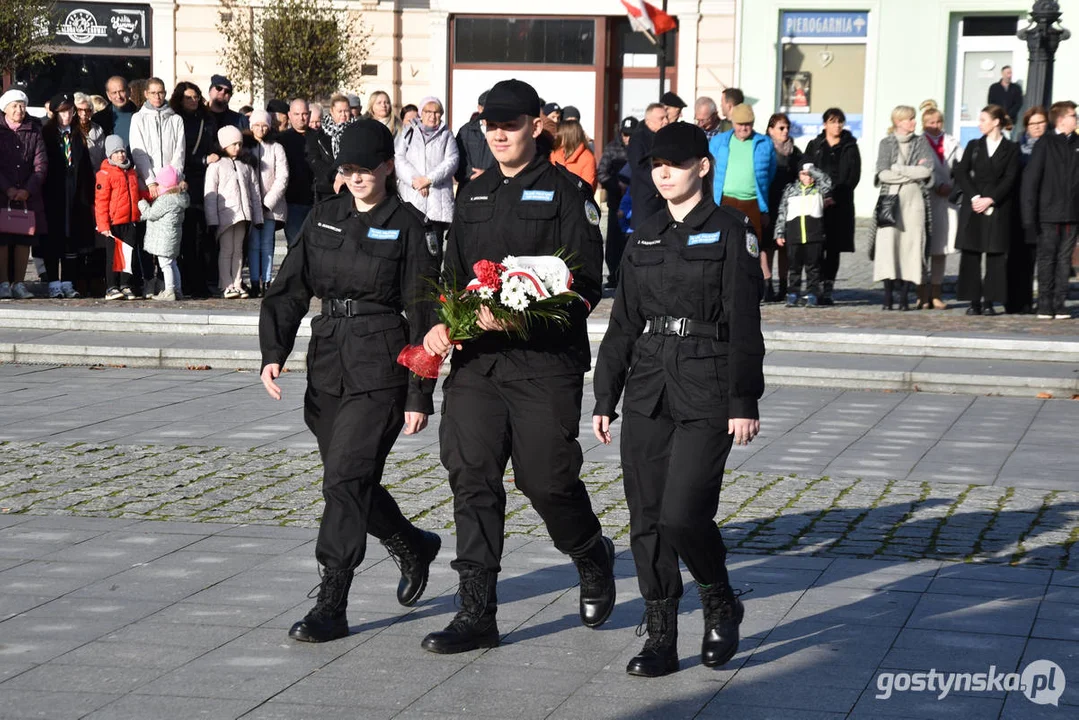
(824, 24)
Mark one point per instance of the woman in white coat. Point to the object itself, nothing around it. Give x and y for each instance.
(272, 180)
(426, 159)
(947, 152)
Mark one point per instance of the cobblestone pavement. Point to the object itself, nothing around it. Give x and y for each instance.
(882, 475)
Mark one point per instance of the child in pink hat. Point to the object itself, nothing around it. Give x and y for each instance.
(164, 228)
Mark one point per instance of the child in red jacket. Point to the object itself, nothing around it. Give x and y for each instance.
(116, 208)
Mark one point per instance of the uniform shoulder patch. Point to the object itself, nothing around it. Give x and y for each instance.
(431, 239)
(752, 246)
(591, 212)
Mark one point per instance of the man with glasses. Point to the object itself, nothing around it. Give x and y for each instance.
(706, 115)
(157, 137)
(1050, 203)
(116, 118)
(220, 95)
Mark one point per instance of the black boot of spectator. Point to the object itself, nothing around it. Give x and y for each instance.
(888, 298)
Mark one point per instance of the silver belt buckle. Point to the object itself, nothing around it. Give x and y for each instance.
(682, 329)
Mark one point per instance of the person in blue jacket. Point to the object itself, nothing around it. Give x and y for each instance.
(745, 165)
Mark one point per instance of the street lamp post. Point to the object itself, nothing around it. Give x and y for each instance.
(1043, 35)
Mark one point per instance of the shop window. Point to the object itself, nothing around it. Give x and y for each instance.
(990, 25)
(486, 40)
(824, 56)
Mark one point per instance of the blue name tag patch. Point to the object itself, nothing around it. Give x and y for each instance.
(703, 239)
(538, 196)
(379, 234)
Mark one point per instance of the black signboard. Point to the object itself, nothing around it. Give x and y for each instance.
(101, 25)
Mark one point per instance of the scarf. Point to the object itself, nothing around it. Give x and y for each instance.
(937, 143)
(335, 131)
(12, 125)
(784, 148)
(1026, 145)
(124, 165)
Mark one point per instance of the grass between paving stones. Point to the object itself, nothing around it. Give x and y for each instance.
(762, 514)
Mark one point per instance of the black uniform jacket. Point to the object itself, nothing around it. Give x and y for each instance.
(539, 211)
(701, 269)
(379, 260)
(318, 149)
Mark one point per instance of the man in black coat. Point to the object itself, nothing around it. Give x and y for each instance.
(645, 200)
(220, 93)
(1050, 204)
(472, 146)
(1007, 94)
(300, 193)
(116, 118)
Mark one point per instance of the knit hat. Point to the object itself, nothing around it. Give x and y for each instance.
(114, 143)
(229, 135)
(259, 116)
(11, 96)
(167, 178)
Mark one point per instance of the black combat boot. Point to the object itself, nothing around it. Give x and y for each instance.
(413, 551)
(659, 656)
(596, 569)
(474, 625)
(327, 620)
(723, 611)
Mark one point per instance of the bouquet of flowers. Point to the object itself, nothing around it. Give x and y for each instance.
(519, 292)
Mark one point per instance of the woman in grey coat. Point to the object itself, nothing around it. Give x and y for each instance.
(426, 157)
(905, 167)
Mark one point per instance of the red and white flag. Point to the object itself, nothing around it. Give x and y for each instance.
(649, 17)
(121, 256)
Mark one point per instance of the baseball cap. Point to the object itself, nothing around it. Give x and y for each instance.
(550, 108)
(571, 113)
(629, 125)
(510, 99)
(483, 98)
(671, 100)
(353, 100)
(277, 106)
(367, 143)
(220, 80)
(679, 142)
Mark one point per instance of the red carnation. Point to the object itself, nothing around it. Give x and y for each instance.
(489, 274)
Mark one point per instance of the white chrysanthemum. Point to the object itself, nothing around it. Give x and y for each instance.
(485, 292)
(510, 261)
(531, 290)
(516, 301)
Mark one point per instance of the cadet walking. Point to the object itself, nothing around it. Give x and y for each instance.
(685, 343)
(366, 255)
(519, 398)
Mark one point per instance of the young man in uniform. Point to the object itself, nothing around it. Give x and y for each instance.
(521, 399)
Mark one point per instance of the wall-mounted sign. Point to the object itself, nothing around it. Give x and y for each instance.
(823, 24)
(85, 24)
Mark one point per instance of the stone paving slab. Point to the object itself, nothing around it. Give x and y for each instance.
(824, 652)
(157, 577)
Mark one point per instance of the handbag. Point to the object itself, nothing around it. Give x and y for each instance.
(17, 222)
(887, 211)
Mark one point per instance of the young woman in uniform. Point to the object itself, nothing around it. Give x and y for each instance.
(685, 343)
(366, 255)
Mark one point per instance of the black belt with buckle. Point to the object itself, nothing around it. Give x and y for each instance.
(684, 327)
(335, 307)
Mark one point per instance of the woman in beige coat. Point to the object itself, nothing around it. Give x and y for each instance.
(904, 168)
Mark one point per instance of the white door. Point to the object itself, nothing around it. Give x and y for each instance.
(978, 64)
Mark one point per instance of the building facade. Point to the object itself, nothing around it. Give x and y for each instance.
(576, 52)
(868, 56)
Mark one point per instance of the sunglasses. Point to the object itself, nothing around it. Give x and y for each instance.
(222, 88)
